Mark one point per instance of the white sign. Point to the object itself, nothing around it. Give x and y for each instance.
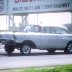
(34, 6)
(3, 6)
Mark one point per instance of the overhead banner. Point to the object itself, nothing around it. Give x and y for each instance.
(3, 6)
(34, 6)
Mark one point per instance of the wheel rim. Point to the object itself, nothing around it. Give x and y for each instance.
(70, 47)
(26, 49)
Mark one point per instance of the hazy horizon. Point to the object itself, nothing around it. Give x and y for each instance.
(43, 18)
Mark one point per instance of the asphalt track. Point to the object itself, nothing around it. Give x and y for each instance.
(37, 58)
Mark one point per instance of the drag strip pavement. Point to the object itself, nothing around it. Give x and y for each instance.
(18, 61)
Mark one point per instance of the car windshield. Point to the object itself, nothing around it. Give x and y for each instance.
(32, 29)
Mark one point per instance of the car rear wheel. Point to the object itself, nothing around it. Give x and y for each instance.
(25, 49)
(68, 48)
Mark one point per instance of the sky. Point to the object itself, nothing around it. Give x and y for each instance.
(43, 18)
(51, 18)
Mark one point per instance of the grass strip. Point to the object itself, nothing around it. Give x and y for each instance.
(65, 68)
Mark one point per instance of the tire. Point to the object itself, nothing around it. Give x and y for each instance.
(25, 49)
(68, 48)
(51, 51)
(9, 49)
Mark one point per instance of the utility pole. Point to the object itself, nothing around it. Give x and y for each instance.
(71, 17)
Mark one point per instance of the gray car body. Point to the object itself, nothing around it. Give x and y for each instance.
(42, 40)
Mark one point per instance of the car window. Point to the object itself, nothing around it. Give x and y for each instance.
(37, 29)
(61, 30)
(48, 30)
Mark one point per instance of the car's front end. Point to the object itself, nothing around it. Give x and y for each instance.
(5, 36)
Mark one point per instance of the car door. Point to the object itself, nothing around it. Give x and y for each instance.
(48, 38)
(62, 38)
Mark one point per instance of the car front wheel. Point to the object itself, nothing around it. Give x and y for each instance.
(9, 49)
(25, 49)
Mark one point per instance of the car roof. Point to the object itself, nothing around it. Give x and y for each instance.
(54, 26)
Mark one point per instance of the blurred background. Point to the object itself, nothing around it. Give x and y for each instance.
(61, 18)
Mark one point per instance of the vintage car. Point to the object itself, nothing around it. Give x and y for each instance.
(50, 38)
